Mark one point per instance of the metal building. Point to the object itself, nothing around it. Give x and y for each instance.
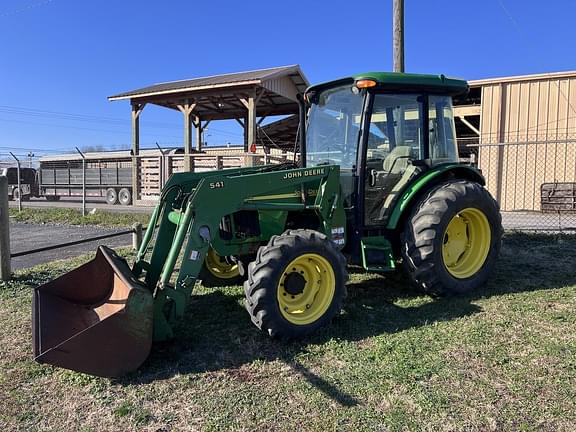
(522, 130)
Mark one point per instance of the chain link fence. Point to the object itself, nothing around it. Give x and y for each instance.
(534, 180)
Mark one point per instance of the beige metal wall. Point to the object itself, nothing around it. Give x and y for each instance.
(528, 137)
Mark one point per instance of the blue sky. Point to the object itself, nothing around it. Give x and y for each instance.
(60, 59)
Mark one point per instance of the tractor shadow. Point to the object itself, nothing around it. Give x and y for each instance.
(217, 335)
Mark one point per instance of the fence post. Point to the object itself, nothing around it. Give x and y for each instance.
(5, 271)
(161, 173)
(83, 182)
(136, 236)
(19, 183)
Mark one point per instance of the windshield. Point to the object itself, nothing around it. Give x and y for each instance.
(333, 127)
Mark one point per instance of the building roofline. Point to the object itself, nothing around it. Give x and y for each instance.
(135, 95)
(518, 78)
(274, 71)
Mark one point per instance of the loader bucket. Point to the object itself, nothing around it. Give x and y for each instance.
(96, 319)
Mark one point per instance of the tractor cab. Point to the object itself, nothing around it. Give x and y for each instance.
(383, 130)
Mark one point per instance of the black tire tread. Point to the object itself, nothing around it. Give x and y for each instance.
(262, 280)
(422, 234)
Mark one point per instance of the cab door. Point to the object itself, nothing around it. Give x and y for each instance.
(395, 139)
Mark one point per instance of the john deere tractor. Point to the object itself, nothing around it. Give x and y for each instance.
(378, 183)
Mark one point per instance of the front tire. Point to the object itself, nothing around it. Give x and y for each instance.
(452, 239)
(296, 284)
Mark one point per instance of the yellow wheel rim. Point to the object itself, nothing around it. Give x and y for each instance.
(220, 267)
(306, 289)
(466, 243)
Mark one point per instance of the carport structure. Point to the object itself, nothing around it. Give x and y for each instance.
(248, 97)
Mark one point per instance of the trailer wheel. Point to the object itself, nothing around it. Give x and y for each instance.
(452, 239)
(16, 193)
(219, 271)
(125, 196)
(296, 284)
(111, 196)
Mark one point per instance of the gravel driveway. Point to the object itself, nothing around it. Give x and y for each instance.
(25, 237)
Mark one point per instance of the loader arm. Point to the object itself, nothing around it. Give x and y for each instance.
(188, 215)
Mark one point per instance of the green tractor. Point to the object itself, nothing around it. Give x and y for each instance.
(378, 184)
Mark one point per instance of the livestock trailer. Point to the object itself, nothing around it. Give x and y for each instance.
(108, 175)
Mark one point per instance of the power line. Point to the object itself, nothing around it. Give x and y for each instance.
(32, 112)
(125, 132)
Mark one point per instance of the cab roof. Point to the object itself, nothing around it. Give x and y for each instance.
(399, 81)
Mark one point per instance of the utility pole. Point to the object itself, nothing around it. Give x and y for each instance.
(398, 35)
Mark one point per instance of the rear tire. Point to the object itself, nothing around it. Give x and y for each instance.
(111, 196)
(52, 198)
(296, 284)
(218, 271)
(452, 239)
(125, 196)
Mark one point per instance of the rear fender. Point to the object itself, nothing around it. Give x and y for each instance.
(423, 183)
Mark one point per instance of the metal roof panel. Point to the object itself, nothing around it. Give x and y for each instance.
(215, 81)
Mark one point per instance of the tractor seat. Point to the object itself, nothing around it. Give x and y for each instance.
(397, 161)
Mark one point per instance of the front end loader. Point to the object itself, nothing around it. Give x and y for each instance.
(378, 184)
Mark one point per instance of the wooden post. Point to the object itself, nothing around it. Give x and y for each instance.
(5, 271)
(398, 35)
(251, 122)
(246, 142)
(187, 136)
(199, 133)
(136, 236)
(186, 110)
(250, 104)
(136, 111)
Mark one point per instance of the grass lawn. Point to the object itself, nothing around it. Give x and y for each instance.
(503, 359)
(74, 217)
